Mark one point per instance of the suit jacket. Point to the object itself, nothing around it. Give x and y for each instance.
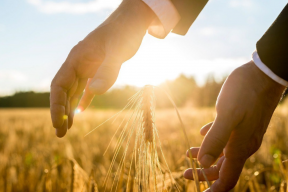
(272, 48)
(189, 11)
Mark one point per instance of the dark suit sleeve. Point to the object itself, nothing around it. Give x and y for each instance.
(189, 11)
(272, 48)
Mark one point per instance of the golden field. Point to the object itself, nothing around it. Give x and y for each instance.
(33, 159)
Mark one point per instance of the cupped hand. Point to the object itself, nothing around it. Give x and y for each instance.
(244, 108)
(98, 58)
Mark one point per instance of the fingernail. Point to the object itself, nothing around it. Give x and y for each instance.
(98, 86)
(207, 190)
(186, 174)
(207, 160)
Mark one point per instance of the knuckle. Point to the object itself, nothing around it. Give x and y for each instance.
(79, 45)
(213, 145)
(218, 141)
(58, 97)
(79, 50)
(52, 84)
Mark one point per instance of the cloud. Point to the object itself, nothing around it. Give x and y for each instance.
(93, 6)
(14, 76)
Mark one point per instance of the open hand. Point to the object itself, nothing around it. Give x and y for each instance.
(244, 108)
(99, 56)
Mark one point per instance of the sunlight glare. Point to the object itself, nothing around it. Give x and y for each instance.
(77, 111)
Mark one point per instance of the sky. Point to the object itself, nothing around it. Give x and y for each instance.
(37, 35)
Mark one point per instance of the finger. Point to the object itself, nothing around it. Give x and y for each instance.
(215, 140)
(212, 173)
(228, 175)
(71, 114)
(61, 132)
(105, 76)
(205, 128)
(73, 89)
(81, 86)
(58, 99)
(60, 85)
(71, 93)
(195, 151)
(75, 100)
(86, 98)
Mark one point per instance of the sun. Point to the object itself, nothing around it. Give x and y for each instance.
(143, 74)
(153, 64)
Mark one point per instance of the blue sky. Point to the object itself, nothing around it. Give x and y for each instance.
(37, 35)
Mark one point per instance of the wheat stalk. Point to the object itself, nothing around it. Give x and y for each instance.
(72, 176)
(192, 161)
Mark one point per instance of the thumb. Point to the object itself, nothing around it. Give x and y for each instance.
(105, 76)
(215, 140)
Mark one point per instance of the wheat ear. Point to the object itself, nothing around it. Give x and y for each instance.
(147, 113)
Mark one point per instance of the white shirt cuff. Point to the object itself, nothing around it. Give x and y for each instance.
(267, 71)
(168, 17)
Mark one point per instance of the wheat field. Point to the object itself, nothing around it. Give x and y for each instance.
(33, 159)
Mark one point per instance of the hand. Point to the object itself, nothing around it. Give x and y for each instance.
(99, 56)
(244, 108)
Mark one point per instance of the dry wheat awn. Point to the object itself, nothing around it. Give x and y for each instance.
(149, 172)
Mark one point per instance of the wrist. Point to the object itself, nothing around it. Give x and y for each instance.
(265, 69)
(265, 83)
(139, 9)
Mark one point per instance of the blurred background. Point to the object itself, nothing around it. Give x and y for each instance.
(35, 39)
